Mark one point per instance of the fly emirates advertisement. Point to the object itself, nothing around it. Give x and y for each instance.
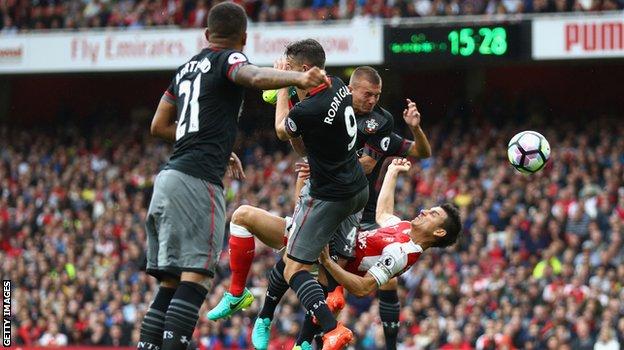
(345, 44)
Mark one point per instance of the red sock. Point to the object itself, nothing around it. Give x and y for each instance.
(242, 247)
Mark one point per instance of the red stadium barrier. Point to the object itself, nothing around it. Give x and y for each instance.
(19, 347)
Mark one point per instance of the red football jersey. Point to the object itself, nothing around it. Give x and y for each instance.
(389, 250)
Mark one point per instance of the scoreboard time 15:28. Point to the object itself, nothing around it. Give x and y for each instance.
(456, 43)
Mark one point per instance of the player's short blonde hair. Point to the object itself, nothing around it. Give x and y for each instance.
(365, 72)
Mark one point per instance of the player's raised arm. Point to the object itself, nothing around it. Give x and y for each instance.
(270, 78)
(281, 113)
(385, 202)
(284, 132)
(420, 148)
(164, 122)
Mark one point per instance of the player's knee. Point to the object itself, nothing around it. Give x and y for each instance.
(293, 267)
(199, 278)
(169, 282)
(242, 215)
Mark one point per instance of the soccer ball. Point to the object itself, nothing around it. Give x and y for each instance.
(270, 96)
(528, 151)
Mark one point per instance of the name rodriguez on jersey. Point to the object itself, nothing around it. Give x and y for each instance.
(337, 101)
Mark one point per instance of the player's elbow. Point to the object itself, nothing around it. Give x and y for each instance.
(155, 128)
(425, 153)
(282, 134)
(365, 289)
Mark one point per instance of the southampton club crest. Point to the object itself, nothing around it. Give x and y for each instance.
(371, 126)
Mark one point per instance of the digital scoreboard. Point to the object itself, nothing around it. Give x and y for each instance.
(488, 43)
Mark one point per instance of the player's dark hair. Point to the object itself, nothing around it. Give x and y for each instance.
(308, 51)
(227, 20)
(452, 225)
(366, 72)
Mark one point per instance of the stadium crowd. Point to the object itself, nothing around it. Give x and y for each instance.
(23, 15)
(540, 264)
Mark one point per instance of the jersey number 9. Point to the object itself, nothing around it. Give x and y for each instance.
(351, 125)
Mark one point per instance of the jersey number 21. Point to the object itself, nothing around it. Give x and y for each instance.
(189, 124)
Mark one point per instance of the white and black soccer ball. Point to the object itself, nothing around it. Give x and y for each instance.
(528, 151)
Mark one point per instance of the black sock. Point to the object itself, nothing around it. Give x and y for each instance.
(277, 287)
(389, 310)
(310, 294)
(308, 330)
(154, 320)
(318, 335)
(182, 315)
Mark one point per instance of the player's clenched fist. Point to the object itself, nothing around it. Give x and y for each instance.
(399, 164)
(312, 78)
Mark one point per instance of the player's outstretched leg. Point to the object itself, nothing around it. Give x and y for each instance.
(246, 223)
(241, 248)
(389, 311)
(275, 292)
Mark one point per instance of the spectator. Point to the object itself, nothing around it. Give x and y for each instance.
(607, 340)
(583, 339)
(52, 337)
(455, 342)
(549, 265)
